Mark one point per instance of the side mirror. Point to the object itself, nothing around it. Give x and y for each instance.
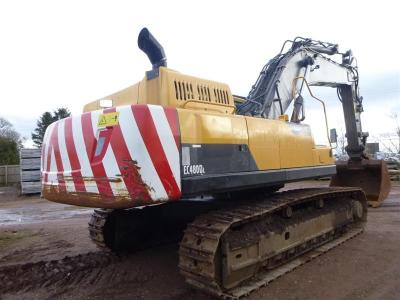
(333, 135)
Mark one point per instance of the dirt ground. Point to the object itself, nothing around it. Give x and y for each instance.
(45, 253)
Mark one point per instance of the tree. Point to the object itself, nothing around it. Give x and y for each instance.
(341, 142)
(8, 152)
(44, 121)
(10, 143)
(397, 132)
(61, 113)
(391, 141)
(41, 125)
(7, 131)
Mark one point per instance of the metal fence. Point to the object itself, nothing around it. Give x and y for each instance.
(10, 174)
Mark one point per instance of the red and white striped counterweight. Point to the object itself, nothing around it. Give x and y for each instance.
(132, 160)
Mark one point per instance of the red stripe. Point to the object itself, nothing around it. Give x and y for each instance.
(98, 170)
(153, 144)
(57, 156)
(73, 157)
(49, 149)
(127, 166)
(172, 117)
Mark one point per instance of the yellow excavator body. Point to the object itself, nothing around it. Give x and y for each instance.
(206, 113)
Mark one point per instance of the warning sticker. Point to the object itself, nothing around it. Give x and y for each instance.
(108, 119)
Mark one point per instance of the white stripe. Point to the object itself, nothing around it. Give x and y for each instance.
(167, 141)
(138, 152)
(112, 170)
(69, 183)
(46, 144)
(95, 117)
(52, 179)
(83, 158)
(109, 162)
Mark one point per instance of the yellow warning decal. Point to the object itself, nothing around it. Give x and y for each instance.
(108, 119)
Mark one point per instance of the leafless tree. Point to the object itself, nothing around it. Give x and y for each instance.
(341, 142)
(391, 141)
(397, 130)
(7, 131)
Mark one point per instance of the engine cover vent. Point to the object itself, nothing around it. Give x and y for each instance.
(203, 93)
(221, 96)
(183, 90)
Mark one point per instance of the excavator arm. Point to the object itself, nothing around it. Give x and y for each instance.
(316, 63)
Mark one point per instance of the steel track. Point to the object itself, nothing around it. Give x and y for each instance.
(203, 254)
(200, 256)
(96, 225)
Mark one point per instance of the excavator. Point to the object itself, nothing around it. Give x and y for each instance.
(176, 157)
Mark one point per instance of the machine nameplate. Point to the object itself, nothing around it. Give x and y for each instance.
(194, 170)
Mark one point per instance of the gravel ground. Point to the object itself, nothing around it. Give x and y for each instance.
(36, 236)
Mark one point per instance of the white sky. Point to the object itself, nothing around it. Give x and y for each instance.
(67, 53)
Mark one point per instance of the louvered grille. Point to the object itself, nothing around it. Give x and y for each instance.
(184, 91)
(221, 96)
(203, 93)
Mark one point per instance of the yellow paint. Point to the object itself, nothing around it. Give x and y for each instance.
(273, 144)
(296, 146)
(200, 127)
(323, 155)
(126, 96)
(206, 112)
(264, 142)
(108, 119)
(284, 118)
(172, 89)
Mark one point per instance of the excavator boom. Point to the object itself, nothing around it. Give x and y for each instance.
(313, 62)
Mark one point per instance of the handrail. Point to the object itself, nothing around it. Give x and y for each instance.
(312, 95)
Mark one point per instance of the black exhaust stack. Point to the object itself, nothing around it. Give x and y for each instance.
(154, 51)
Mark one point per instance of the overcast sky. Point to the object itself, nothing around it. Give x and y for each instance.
(68, 53)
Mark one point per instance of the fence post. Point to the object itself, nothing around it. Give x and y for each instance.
(6, 174)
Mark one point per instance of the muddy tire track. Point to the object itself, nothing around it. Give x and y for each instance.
(62, 272)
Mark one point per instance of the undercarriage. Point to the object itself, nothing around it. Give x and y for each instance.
(231, 248)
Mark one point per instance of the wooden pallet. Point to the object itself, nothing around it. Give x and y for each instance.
(394, 170)
(30, 171)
